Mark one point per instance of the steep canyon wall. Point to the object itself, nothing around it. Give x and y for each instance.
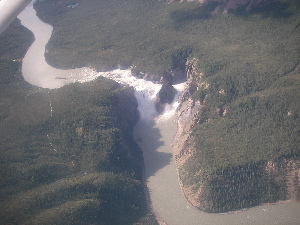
(231, 188)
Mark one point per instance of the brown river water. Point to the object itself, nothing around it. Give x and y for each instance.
(154, 134)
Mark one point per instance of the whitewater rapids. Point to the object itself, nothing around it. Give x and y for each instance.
(154, 134)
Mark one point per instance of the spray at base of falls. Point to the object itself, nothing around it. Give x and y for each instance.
(36, 70)
(166, 196)
(145, 91)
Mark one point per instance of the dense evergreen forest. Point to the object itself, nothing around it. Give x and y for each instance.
(250, 89)
(246, 69)
(67, 155)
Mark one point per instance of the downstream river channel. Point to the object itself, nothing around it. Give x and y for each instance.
(154, 134)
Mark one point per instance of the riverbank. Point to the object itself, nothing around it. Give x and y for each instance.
(160, 173)
(67, 154)
(274, 181)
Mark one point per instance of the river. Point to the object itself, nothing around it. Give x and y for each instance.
(153, 133)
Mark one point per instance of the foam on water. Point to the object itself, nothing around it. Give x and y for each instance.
(145, 93)
(166, 196)
(37, 72)
(170, 110)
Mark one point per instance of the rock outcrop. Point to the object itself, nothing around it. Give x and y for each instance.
(174, 76)
(231, 188)
(164, 96)
(183, 147)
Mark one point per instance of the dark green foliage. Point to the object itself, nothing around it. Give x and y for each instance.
(262, 126)
(251, 111)
(249, 59)
(278, 9)
(180, 56)
(240, 187)
(105, 34)
(15, 37)
(184, 16)
(75, 165)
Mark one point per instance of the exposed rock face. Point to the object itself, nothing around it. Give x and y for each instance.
(182, 143)
(233, 188)
(174, 76)
(286, 172)
(187, 114)
(164, 96)
(167, 78)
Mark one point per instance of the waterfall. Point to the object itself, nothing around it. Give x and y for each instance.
(145, 93)
(155, 133)
(37, 72)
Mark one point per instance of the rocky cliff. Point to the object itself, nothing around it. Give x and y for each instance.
(250, 111)
(183, 143)
(183, 147)
(231, 188)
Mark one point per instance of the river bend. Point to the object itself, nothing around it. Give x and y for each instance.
(153, 133)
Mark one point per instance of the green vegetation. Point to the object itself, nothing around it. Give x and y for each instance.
(249, 59)
(110, 33)
(75, 165)
(251, 111)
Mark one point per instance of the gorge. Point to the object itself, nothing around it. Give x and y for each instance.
(67, 151)
(154, 134)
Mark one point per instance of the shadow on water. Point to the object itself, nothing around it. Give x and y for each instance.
(149, 139)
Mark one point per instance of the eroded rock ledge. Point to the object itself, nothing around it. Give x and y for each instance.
(233, 188)
(183, 143)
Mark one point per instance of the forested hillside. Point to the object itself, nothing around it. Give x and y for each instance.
(67, 155)
(246, 137)
(245, 73)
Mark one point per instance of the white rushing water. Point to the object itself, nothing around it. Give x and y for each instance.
(154, 133)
